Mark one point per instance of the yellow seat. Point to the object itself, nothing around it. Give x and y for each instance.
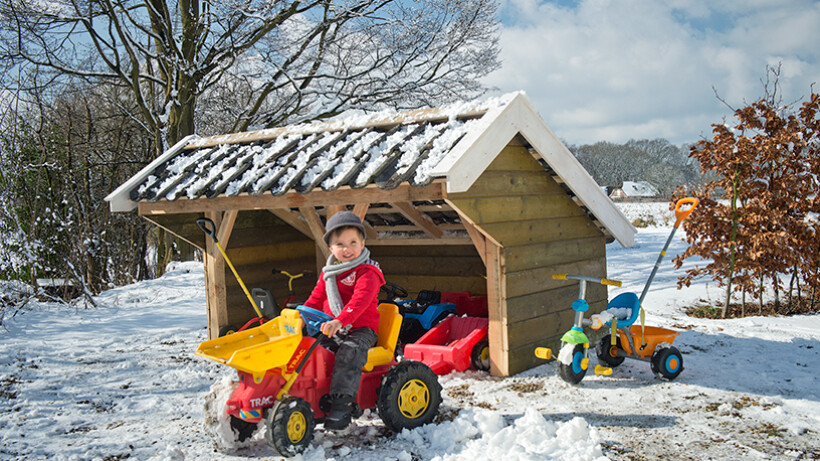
(389, 327)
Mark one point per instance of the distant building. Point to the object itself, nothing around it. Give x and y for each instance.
(634, 190)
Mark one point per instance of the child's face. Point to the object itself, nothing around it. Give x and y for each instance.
(347, 245)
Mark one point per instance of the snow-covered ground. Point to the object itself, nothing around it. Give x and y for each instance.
(122, 381)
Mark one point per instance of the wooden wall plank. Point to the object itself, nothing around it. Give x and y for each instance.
(552, 253)
(284, 251)
(413, 283)
(506, 184)
(515, 159)
(542, 230)
(522, 308)
(487, 210)
(540, 279)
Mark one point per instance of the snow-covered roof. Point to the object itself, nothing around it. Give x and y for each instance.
(639, 189)
(385, 149)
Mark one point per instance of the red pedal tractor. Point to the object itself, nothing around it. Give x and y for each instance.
(284, 379)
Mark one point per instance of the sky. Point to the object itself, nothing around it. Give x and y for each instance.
(614, 70)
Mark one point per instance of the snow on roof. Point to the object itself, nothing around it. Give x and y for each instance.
(639, 189)
(455, 142)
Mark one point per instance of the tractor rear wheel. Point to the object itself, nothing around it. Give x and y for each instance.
(289, 426)
(409, 396)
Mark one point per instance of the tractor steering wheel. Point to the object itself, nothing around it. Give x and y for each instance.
(393, 291)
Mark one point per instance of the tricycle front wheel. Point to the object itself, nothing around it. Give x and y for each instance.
(572, 362)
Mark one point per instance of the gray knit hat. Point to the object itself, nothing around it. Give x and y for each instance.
(342, 219)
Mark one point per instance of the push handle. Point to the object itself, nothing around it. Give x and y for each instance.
(680, 213)
(208, 227)
(614, 283)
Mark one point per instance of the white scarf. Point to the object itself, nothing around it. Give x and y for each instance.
(333, 268)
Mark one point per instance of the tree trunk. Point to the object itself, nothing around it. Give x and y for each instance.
(732, 243)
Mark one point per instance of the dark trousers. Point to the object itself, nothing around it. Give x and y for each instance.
(351, 355)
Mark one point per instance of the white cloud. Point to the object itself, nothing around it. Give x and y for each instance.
(620, 69)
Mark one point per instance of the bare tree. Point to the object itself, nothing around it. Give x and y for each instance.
(261, 63)
(208, 67)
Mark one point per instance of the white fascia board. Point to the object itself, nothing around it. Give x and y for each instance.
(471, 156)
(479, 147)
(120, 199)
(560, 159)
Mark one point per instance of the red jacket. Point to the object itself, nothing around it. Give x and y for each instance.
(359, 289)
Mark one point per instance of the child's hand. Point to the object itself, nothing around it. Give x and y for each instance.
(331, 328)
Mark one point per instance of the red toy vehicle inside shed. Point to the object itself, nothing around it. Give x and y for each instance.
(453, 345)
(466, 304)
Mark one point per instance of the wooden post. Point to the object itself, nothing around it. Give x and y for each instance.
(497, 309)
(215, 278)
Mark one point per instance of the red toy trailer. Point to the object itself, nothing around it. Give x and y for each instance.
(453, 345)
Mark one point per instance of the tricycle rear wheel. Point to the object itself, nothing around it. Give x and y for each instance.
(667, 363)
(289, 426)
(604, 350)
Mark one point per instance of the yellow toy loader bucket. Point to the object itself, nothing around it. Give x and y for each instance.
(257, 350)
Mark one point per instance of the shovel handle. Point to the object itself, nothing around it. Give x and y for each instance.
(208, 227)
(680, 213)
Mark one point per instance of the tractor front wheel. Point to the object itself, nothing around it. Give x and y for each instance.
(243, 429)
(289, 426)
(409, 396)
(572, 362)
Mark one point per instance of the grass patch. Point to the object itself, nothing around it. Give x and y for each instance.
(799, 306)
(644, 221)
(769, 430)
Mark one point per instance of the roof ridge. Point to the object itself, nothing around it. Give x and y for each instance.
(385, 118)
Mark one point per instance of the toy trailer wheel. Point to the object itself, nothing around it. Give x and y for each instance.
(574, 371)
(667, 363)
(409, 396)
(289, 426)
(604, 350)
(227, 330)
(480, 356)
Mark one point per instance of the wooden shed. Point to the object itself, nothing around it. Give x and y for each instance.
(478, 197)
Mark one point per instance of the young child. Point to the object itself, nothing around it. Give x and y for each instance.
(347, 289)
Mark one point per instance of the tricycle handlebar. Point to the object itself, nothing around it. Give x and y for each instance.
(614, 283)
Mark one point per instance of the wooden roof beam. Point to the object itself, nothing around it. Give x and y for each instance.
(418, 218)
(316, 228)
(295, 220)
(342, 196)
